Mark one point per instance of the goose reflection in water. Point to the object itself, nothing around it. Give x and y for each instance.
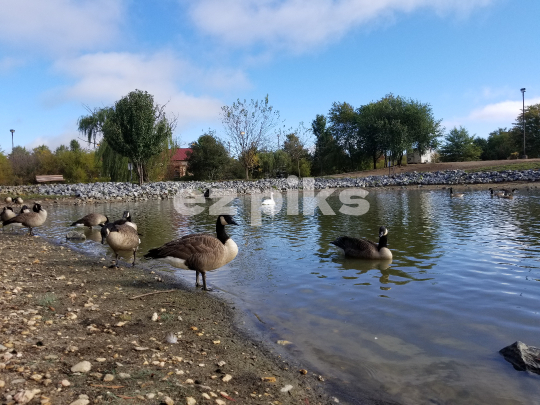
(93, 234)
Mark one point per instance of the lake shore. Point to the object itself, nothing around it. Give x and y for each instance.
(61, 309)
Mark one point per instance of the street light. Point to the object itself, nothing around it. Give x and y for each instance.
(523, 93)
(11, 130)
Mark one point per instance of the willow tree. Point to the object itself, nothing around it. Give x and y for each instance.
(135, 128)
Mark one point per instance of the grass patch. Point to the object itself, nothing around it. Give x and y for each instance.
(515, 166)
(47, 300)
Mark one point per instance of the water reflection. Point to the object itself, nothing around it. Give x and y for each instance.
(423, 328)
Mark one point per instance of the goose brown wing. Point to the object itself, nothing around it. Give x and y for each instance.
(348, 243)
(187, 247)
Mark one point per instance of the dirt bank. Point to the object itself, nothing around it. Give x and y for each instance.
(59, 308)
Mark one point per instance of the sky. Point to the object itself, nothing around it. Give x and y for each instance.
(467, 58)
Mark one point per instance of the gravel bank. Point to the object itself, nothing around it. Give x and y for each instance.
(95, 192)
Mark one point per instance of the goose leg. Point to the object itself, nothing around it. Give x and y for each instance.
(133, 264)
(205, 288)
(197, 279)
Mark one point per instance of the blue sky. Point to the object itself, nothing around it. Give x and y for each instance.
(467, 58)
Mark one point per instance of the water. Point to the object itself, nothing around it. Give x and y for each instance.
(425, 328)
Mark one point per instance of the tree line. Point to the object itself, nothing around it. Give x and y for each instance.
(256, 144)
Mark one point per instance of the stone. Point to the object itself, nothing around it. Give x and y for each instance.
(522, 357)
(108, 377)
(82, 367)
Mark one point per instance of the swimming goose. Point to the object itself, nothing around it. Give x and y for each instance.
(199, 252)
(508, 194)
(91, 220)
(36, 217)
(452, 194)
(496, 193)
(365, 249)
(269, 201)
(121, 238)
(126, 219)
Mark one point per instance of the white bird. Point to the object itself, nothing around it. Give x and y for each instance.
(269, 201)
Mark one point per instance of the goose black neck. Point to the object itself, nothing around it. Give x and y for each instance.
(220, 231)
(383, 242)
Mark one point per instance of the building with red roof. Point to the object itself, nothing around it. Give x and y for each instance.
(179, 162)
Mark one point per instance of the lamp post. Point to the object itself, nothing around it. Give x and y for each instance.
(11, 130)
(523, 93)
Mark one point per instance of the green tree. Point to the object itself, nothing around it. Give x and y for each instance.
(459, 146)
(328, 156)
(532, 131)
(208, 159)
(6, 172)
(500, 144)
(248, 125)
(23, 164)
(294, 147)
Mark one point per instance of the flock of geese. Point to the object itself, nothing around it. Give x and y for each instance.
(198, 251)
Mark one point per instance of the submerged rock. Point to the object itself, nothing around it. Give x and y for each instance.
(74, 235)
(522, 357)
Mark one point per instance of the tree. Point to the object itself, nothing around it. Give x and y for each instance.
(328, 157)
(500, 144)
(532, 131)
(135, 128)
(6, 172)
(247, 125)
(294, 146)
(459, 146)
(24, 165)
(208, 158)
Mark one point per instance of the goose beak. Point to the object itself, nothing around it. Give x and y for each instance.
(233, 222)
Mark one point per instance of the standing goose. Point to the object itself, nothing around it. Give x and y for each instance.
(199, 252)
(269, 201)
(365, 249)
(121, 238)
(36, 217)
(7, 213)
(452, 194)
(91, 220)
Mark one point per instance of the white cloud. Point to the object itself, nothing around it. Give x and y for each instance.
(300, 24)
(59, 25)
(103, 78)
(502, 111)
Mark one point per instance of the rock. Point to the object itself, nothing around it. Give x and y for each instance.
(287, 388)
(190, 401)
(108, 377)
(124, 376)
(227, 378)
(80, 401)
(23, 397)
(522, 357)
(65, 383)
(168, 401)
(74, 235)
(82, 367)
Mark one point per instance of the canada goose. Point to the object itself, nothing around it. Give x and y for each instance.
(365, 249)
(207, 193)
(120, 238)
(269, 201)
(452, 194)
(508, 194)
(8, 200)
(91, 220)
(25, 208)
(496, 193)
(30, 219)
(7, 213)
(18, 200)
(199, 252)
(126, 219)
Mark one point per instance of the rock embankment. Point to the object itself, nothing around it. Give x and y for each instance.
(169, 189)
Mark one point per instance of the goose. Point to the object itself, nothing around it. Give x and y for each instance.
(365, 249)
(126, 219)
(36, 217)
(269, 201)
(508, 194)
(7, 213)
(18, 200)
(199, 252)
(91, 220)
(24, 209)
(496, 193)
(452, 194)
(121, 238)
(8, 200)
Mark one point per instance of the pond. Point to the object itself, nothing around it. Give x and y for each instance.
(425, 328)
